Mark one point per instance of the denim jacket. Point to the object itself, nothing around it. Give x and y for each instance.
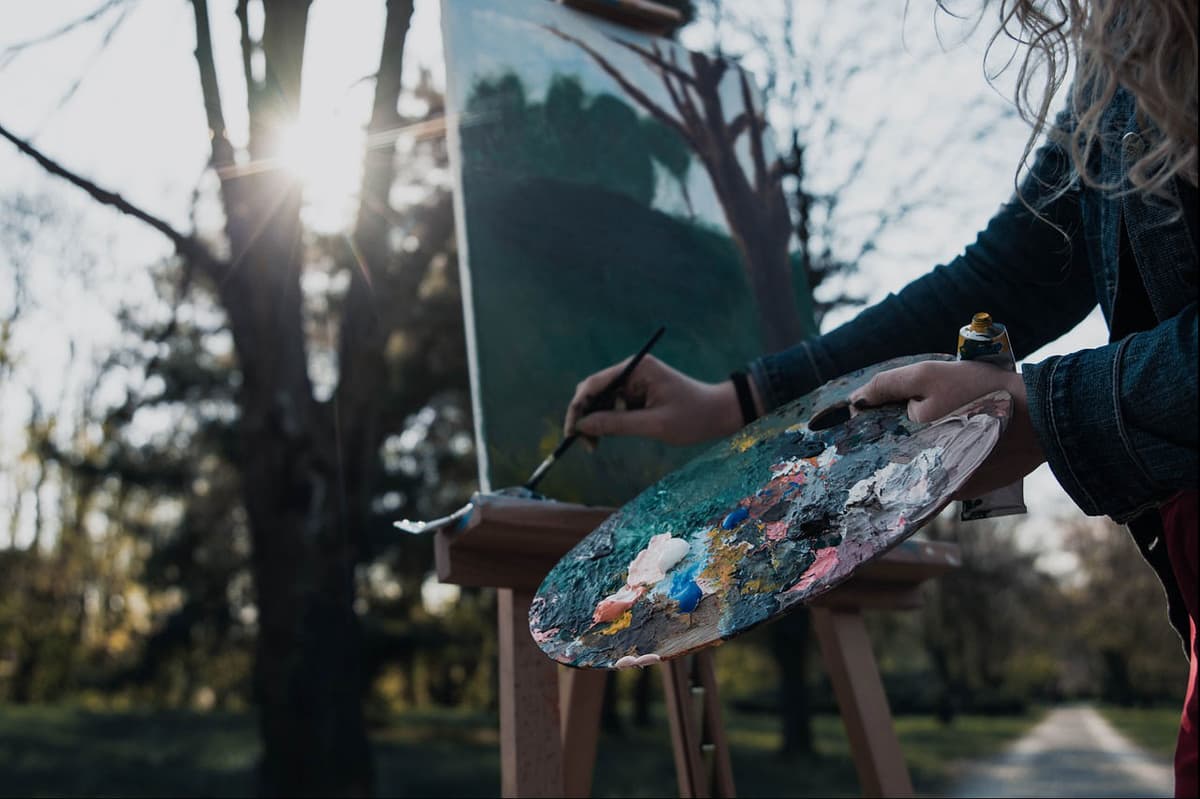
(1118, 423)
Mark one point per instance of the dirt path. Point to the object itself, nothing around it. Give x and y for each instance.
(1074, 751)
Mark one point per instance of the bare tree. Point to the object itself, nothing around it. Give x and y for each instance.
(753, 204)
(307, 465)
(813, 60)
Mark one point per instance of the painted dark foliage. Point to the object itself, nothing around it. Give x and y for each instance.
(753, 203)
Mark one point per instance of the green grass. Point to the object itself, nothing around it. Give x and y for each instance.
(65, 751)
(936, 753)
(1153, 728)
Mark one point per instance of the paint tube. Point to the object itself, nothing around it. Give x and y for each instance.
(986, 340)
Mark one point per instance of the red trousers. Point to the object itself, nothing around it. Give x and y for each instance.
(1180, 525)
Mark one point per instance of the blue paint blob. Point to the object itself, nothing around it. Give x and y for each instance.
(736, 517)
(685, 591)
(689, 598)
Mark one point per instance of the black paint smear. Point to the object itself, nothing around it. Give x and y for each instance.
(831, 540)
(814, 527)
(806, 447)
(776, 512)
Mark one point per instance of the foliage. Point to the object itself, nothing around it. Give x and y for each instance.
(597, 141)
(1129, 652)
(980, 625)
(1154, 728)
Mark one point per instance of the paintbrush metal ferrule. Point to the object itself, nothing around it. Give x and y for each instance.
(545, 465)
(606, 396)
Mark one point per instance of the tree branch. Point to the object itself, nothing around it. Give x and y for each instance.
(187, 246)
(762, 182)
(868, 145)
(222, 150)
(640, 97)
(738, 125)
(655, 58)
(12, 51)
(105, 41)
(247, 45)
(681, 98)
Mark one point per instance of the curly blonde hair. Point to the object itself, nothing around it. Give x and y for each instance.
(1147, 46)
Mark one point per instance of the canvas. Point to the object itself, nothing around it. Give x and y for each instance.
(607, 182)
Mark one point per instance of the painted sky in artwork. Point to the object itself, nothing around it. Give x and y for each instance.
(509, 40)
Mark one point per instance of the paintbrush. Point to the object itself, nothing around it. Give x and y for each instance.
(603, 400)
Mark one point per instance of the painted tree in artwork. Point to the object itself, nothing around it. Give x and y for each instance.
(752, 201)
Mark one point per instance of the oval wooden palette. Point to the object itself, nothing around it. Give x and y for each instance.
(779, 513)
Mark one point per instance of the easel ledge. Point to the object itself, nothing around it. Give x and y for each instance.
(642, 15)
(513, 543)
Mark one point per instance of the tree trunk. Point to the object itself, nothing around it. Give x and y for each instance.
(308, 671)
(642, 694)
(610, 717)
(790, 638)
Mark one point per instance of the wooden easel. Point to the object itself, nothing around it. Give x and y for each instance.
(550, 715)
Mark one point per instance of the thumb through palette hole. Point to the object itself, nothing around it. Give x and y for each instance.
(830, 417)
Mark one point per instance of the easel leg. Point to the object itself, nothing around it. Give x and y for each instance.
(850, 663)
(702, 762)
(581, 694)
(531, 762)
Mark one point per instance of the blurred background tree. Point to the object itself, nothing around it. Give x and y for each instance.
(314, 386)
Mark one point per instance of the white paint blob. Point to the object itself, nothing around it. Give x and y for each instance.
(659, 557)
(898, 483)
(639, 661)
(647, 568)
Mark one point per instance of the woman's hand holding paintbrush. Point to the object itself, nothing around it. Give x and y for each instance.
(660, 403)
(605, 398)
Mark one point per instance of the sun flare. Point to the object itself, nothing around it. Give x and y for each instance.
(324, 153)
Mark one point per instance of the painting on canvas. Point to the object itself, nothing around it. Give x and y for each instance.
(607, 182)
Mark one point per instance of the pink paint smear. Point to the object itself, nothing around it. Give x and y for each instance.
(826, 559)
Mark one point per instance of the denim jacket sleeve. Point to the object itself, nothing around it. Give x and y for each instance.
(1118, 424)
(1028, 270)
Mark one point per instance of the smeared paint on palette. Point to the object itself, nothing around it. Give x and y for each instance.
(778, 514)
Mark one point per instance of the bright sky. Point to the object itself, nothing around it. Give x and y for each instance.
(135, 124)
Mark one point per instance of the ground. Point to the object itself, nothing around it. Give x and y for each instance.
(1073, 751)
(68, 751)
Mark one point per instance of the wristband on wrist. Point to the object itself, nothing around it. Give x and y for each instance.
(741, 385)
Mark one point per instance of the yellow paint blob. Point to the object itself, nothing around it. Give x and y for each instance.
(743, 441)
(759, 586)
(620, 624)
(723, 560)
